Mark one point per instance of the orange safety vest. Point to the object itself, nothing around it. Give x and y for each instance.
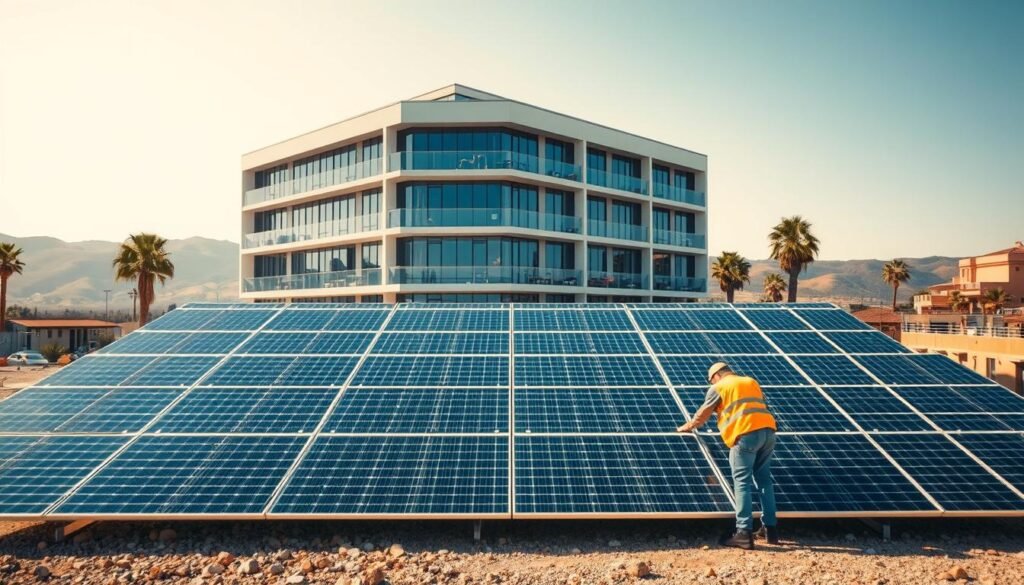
(742, 409)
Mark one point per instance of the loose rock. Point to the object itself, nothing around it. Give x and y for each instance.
(225, 558)
(396, 551)
(249, 567)
(276, 569)
(42, 572)
(296, 579)
(638, 569)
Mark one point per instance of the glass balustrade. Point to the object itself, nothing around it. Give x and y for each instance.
(616, 181)
(313, 231)
(673, 238)
(679, 283)
(346, 174)
(622, 231)
(483, 275)
(628, 280)
(313, 280)
(478, 160)
(483, 217)
(680, 194)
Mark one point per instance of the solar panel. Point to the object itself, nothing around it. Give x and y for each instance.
(400, 476)
(625, 475)
(174, 474)
(497, 411)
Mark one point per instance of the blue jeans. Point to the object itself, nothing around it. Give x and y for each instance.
(751, 462)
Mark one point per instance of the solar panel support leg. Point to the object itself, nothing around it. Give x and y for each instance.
(62, 532)
(477, 529)
(882, 528)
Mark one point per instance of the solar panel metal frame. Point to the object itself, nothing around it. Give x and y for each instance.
(214, 314)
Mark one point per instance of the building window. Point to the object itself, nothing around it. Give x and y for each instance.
(371, 209)
(476, 147)
(334, 259)
(597, 209)
(265, 221)
(371, 299)
(49, 333)
(597, 164)
(625, 166)
(661, 175)
(272, 176)
(990, 368)
(415, 252)
(559, 151)
(559, 202)
(466, 195)
(597, 258)
(270, 265)
(686, 222)
(661, 219)
(468, 298)
(371, 255)
(626, 261)
(560, 255)
(662, 264)
(685, 180)
(560, 298)
(321, 170)
(626, 213)
(685, 265)
(372, 155)
(336, 210)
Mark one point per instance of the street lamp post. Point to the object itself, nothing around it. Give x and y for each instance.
(134, 294)
(106, 303)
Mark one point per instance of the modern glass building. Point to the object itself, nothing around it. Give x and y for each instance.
(459, 195)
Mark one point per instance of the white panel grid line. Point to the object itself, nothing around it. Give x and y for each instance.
(511, 409)
(836, 405)
(152, 421)
(935, 426)
(726, 486)
(290, 472)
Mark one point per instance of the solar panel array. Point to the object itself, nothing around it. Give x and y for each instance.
(498, 411)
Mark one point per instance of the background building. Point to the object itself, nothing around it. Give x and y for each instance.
(976, 276)
(69, 333)
(461, 195)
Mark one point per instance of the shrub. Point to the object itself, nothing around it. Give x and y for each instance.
(104, 339)
(53, 351)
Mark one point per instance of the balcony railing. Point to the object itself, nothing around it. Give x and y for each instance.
(479, 160)
(673, 238)
(957, 329)
(313, 231)
(680, 194)
(679, 283)
(622, 231)
(346, 174)
(483, 217)
(483, 275)
(616, 181)
(313, 280)
(616, 280)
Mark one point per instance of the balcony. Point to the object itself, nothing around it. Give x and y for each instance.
(680, 283)
(483, 217)
(481, 160)
(673, 238)
(313, 280)
(621, 231)
(483, 275)
(347, 174)
(313, 231)
(626, 280)
(616, 181)
(680, 194)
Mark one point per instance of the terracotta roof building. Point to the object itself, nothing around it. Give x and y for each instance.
(882, 318)
(70, 333)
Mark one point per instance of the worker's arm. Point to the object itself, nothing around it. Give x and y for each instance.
(703, 413)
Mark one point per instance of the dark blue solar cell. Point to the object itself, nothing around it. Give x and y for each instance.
(401, 476)
(38, 410)
(586, 371)
(451, 320)
(628, 475)
(596, 410)
(831, 319)
(865, 342)
(774, 320)
(687, 370)
(767, 370)
(838, 473)
(357, 320)
(239, 320)
(307, 343)
(702, 320)
(417, 343)
(717, 320)
(573, 320)
(937, 399)
(248, 410)
(175, 474)
(123, 410)
(1001, 452)
(796, 409)
(433, 371)
(182, 320)
(969, 422)
(739, 343)
(992, 398)
(171, 371)
(876, 409)
(832, 370)
(324, 319)
(36, 471)
(578, 343)
(97, 370)
(951, 476)
(282, 371)
(801, 342)
(144, 341)
(896, 369)
(684, 342)
(421, 410)
(1013, 421)
(947, 371)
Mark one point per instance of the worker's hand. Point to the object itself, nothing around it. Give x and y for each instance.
(686, 428)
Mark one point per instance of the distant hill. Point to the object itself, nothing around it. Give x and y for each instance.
(72, 275)
(855, 281)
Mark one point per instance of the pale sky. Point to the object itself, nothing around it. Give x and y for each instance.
(897, 128)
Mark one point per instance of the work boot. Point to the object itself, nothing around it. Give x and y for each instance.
(740, 539)
(769, 533)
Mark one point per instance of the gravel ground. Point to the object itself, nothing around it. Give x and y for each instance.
(555, 553)
(13, 379)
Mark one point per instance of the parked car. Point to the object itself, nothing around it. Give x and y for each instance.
(27, 358)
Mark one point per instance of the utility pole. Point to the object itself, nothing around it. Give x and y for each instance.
(106, 303)
(134, 294)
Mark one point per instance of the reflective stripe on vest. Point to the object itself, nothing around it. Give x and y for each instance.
(742, 409)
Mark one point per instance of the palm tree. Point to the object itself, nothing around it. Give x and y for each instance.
(142, 258)
(960, 304)
(10, 263)
(731, 271)
(895, 272)
(794, 246)
(994, 299)
(774, 286)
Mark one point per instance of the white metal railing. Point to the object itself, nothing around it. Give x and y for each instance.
(313, 231)
(958, 329)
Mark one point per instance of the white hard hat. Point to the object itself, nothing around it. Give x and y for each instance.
(715, 368)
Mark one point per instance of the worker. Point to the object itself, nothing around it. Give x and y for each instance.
(748, 429)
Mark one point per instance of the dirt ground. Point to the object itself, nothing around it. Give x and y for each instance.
(13, 379)
(555, 553)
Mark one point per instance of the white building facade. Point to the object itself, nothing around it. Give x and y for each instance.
(458, 195)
